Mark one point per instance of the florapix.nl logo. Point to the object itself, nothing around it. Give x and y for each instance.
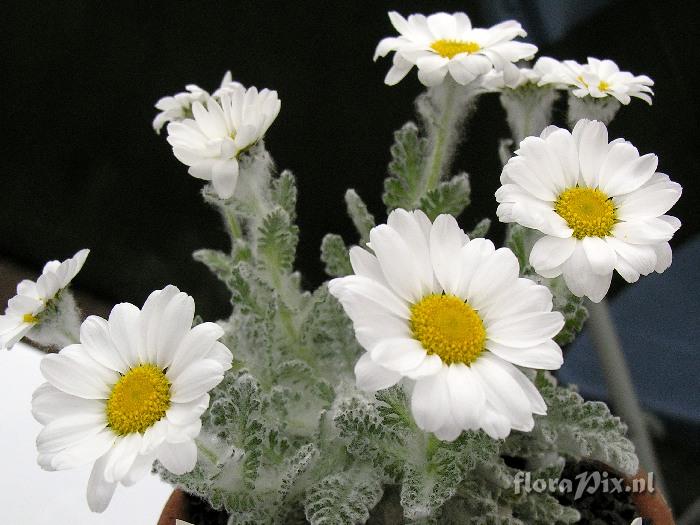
(582, 484)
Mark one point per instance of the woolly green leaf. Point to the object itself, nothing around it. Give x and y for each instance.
(278, 240)
(481, 229)
(294, 467)
(284, 193)
(404, 187)
(219, 263)
(451, 197)
(334, 255)
(343, 499)
(361, 217)
(583, 429)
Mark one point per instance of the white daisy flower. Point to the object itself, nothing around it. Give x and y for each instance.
(442, 43)
(35, 300)
(452, 316)
(211, 142)
(179, 106)
(598, 79)
(599, 205)
(132, 391)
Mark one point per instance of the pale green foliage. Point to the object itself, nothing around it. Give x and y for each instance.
(334, 255)
(289, 439)
(360, 215)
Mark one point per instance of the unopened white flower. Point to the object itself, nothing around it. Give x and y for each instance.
(600, 206)
(453, 316)
(598, 79)
(211, 142)
(442, 43)
(34, 299)
(179, 106)
(132, 391)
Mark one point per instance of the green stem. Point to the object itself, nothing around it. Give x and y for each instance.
(233, 226)
(444, 132)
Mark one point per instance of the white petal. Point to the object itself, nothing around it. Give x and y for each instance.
(366, 264)
(175, 323)
(472, 256)
(151, 314)
(496, 273)
(139, 469)
(73, 372)
(225, 177)
(551, 252)
(544, 356)
(124, 326)
(195, 345)
(86, 451)
(398, 354)
(50, 403)
(122, 457)
(504, 392)
(358, 290)
(526, 330)
(446, 241)
(370, 376)
(581, 280)
(178, 458)
(67, 431)
(591, 138)
(467, 397)
(198, 379)
(186, 413)
(96, 340)
(601, 257)
(432, 364)
(99, 490)
(430, 402)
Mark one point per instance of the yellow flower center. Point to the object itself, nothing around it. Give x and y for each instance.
(450, 48)
(448, 327)
(138, 400)
(580, 79)
(603, 85)
(587, 211)
(29, 318)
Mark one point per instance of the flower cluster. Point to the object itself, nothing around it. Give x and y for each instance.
(599, 204)
(451, 335)
(598, 79)
(35, 302)
(130, 392)
(441, 43)
(209, 133)
(452, 315)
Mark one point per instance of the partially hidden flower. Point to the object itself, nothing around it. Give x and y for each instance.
(211, 141)
(179, 106)
(598, 79)
(442, 43)
(34, 300)
(451, 316)
(600, 205)
(130, 392)
(526, 76)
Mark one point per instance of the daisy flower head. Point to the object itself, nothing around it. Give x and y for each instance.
(599, 79)
(211, 142)
(451, 316)
(179, 106)
(442, 43)
(130, 392)
(600, 205)
(35, 301)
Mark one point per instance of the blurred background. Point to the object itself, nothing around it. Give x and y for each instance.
(83, 168)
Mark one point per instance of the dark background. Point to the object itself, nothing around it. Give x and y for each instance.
(82, 166)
